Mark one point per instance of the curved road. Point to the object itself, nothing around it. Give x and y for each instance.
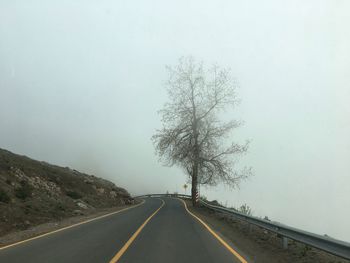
(160, 230)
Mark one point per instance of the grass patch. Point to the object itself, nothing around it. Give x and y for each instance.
(73, 194)
(4, 197)
(24, 191)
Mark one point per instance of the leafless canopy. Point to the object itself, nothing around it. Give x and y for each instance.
(192, 135)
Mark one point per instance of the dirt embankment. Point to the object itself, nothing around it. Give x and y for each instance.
(33, 193)
(259, 245)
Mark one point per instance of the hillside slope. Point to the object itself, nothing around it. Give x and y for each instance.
(33, 192)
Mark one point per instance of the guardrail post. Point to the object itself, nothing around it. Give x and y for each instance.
(285, 242)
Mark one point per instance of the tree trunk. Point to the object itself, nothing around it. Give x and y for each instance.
(196, 152)
(194, 185)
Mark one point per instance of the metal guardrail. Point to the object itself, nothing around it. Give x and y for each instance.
(330, 245)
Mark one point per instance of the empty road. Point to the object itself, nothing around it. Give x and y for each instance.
(159, 230)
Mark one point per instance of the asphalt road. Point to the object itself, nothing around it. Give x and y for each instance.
(156, 231)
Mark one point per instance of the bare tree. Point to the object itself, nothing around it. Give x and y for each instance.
(193, 136)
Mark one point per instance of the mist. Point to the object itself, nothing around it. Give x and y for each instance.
(81, 83)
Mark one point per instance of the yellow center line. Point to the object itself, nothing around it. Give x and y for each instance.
(227, 246)
(128, 243)
(67, 227)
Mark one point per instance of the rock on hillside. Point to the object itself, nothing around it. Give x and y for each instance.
(33, 192)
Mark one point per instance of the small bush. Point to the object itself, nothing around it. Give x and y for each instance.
(60, 207)
(4, 197)
(305, 249)
(24, 191)
(245, 209)
(267, 218)
(73, 195)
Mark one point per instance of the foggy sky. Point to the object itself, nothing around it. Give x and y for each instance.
(81, 83)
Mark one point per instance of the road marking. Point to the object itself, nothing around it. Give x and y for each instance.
(128, 243)
(229, 248)
(67, 227)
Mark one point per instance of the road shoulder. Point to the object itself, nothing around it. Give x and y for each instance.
(260, 245)
(46, 228)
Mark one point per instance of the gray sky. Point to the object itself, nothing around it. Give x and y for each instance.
(81, 83)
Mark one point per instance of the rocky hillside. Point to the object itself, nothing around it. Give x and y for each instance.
(33, 192)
